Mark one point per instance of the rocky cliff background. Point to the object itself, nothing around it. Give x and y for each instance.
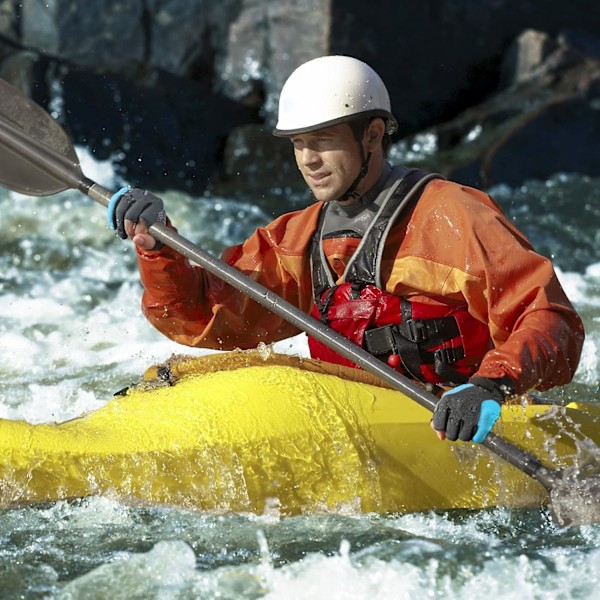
(182, 94)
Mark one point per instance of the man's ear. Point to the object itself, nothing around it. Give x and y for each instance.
(374, 134)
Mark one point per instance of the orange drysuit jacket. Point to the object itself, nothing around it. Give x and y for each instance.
(455, 244)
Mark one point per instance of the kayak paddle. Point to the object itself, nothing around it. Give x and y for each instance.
(37, 158)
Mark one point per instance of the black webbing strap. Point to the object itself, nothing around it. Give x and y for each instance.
(413, 340)
(363, 264)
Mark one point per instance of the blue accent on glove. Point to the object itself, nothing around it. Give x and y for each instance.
(113, 204)
(457, 389)
(490, 413)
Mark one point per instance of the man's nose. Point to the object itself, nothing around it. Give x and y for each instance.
(309, 156)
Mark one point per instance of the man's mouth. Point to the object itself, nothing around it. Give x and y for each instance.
(317, 177)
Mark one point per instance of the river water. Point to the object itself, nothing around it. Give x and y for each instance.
(72, 334)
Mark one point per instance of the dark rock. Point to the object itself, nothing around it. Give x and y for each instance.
(583, 42)
(184, 38)
(439, 58)
(166, 135)
(8, 21)
(23, 69)
(545, 123)
(99, 35)
(169, 80)
(262, 166)
(525, 56)
(261, 51)
(561, 137)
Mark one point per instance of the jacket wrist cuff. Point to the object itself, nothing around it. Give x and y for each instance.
(502, 388)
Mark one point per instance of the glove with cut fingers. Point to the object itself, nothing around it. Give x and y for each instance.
(469, 411)
(135, 205)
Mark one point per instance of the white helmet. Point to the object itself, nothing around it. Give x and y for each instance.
(330, 90)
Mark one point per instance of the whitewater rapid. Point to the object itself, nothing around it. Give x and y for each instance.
(72, 334)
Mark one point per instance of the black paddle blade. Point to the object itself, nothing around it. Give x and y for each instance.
(21, 118)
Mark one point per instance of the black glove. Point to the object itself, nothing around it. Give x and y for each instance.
(468, 412)
(133, 205)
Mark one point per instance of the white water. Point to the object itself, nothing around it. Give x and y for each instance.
(72, 334)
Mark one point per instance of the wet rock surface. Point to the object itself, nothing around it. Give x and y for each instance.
(182, 94)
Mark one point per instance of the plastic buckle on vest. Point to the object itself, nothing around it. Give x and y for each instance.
(447, 356)
(443, 358)
(414, 330)
(380, 341)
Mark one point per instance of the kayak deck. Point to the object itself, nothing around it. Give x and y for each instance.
(236, 432)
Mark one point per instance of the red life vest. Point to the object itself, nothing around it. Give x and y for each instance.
(437, 343)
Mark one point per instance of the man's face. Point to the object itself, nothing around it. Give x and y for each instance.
(329, 160)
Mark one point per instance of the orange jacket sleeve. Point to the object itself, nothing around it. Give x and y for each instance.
(457, 244)
(195, 308)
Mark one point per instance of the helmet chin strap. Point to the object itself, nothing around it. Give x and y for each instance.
(351, 193)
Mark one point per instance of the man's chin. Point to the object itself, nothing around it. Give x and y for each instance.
(324, 195)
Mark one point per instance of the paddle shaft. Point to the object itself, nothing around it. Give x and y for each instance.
(59, 167)
(306, 323)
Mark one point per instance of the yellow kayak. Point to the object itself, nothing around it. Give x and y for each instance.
(244, 432)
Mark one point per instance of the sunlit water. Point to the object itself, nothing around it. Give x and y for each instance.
(72, 334)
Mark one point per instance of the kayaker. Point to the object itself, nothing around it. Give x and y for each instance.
(427, 274)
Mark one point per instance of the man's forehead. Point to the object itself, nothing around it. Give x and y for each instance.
(331, 131)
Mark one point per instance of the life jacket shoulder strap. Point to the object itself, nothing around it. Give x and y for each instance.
(320, 279)
(365, 265)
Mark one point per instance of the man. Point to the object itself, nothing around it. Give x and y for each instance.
(426, 274)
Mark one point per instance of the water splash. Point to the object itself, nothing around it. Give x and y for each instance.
(72, 334)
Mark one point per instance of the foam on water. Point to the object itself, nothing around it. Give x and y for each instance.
(70, 294)
(169, 553)
(72, 334)
(72, 329)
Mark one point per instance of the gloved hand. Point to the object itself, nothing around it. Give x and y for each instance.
(137, 206)
(468, 412)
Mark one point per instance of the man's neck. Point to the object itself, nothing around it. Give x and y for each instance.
(370, 189)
